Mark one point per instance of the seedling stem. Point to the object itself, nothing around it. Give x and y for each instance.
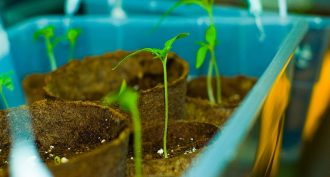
(160, 54)
(207, 46)
(7, 82)
(127, 99)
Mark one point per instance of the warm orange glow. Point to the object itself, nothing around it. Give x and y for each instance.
(272, 119)
(319, 100)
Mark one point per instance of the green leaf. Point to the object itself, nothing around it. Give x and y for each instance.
(6, 81)
(127, 98)
(123, 87)
(169, 43)
(201, 55)
(46, 32)
(211, 35)
(151, 50)
(176, 5)
(73, 35)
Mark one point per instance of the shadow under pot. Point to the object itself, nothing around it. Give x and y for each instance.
(93, 78)
(185, 141)
(198, 107)
(93, 140)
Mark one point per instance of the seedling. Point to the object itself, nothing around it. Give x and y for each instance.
(127, 99)
(50, 41)
(160, 54)
(207, 46)
(6, 82)
(48, 33)
(57, 160)
(72, 36)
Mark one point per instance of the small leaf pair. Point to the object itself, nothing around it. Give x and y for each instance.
(6, 81)
(210, 37)
(160, 54)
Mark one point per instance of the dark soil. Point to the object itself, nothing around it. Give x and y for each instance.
(86, 134)
(185, 140)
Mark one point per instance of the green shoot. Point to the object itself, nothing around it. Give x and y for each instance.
(6, 82)
(207, 46)
(57, 160)
(48, 34)
(127, 99)
(160, 54)
(72, 36)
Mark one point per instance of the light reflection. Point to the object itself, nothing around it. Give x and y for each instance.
(255, 8)
(24, 160)
(117, 10)
(271, 130)
(319, 100)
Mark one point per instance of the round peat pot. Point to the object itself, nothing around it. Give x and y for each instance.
(94, 77)
(94, 139)
(185, 140)
(200, 110)
(233, 89)
(33, 87)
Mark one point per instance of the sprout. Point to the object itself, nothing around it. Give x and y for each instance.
(72, 36)
(207, 46)
(160, 54)
(48, 33)
(57, 160)
(6, 82)
(127, 99)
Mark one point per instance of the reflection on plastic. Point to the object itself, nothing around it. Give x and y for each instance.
(4, 48)
(24, 159)
(272, 119)
(319, 100)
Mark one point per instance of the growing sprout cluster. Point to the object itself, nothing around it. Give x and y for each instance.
(51, 41)
(206, 46)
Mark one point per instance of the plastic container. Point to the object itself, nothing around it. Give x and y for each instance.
(252, 135)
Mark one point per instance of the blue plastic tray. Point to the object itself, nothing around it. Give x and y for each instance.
(256, 124)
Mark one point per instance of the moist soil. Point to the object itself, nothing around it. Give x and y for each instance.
(93, 78)
(86, 134)
(185, 140)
